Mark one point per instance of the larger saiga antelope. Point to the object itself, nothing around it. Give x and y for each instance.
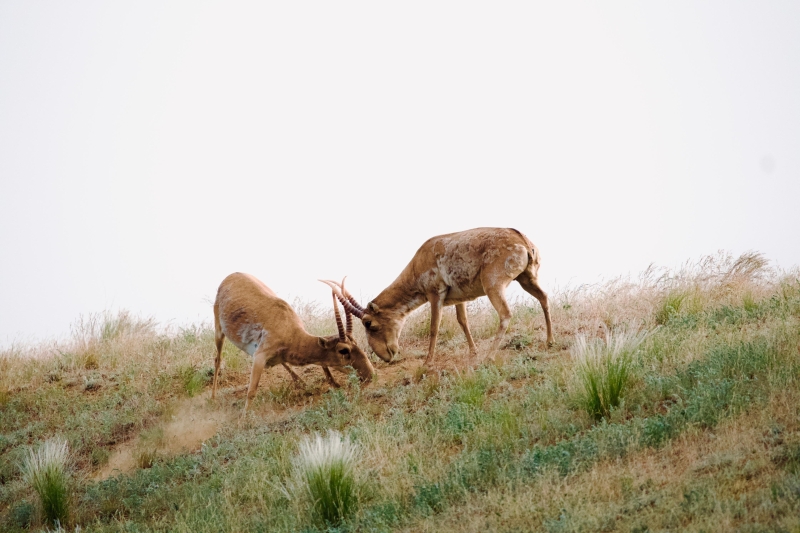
(450, 270)
(267, 328)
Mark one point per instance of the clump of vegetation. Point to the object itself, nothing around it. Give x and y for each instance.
(90, 383)
(605, 369)
(519, 341)
(22, 514)
(325, 472)
(670, 307)
(147, 449)
(46, 470)
(193, 379)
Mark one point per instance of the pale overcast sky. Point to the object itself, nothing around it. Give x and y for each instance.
(148, 149)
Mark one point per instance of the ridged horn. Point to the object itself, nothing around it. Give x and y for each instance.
(350, 297)
(339, 325)
(357, 311)
(348, 314)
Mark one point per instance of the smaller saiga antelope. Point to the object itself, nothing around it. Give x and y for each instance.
(267, 328)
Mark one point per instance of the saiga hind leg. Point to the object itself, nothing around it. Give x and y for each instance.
(461, 317)
(529, 282)
(436, 300)
(219, 338)
(496, 291)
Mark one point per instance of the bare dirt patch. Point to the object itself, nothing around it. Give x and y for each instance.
(121, 461)
(191, 422)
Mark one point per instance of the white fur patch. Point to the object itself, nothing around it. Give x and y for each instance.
(250, 337)
(412, 304)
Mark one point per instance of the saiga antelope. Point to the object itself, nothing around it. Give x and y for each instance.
(450, 270)
(267, 328)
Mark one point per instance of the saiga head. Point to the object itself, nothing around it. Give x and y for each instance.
(381, 325)
(383, 331)
(343, 350)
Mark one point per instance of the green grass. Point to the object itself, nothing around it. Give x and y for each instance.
(704, 433)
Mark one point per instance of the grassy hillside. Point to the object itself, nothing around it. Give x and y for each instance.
(706, 436)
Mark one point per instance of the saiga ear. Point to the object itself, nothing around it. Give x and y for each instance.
(321, 342)
(372, 306)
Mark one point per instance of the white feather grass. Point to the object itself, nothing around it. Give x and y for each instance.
(325, 473)
(605, 368)
(47, 471)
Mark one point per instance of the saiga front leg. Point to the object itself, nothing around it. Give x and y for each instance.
(330, 377)
(259, 362)
(295, 377)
